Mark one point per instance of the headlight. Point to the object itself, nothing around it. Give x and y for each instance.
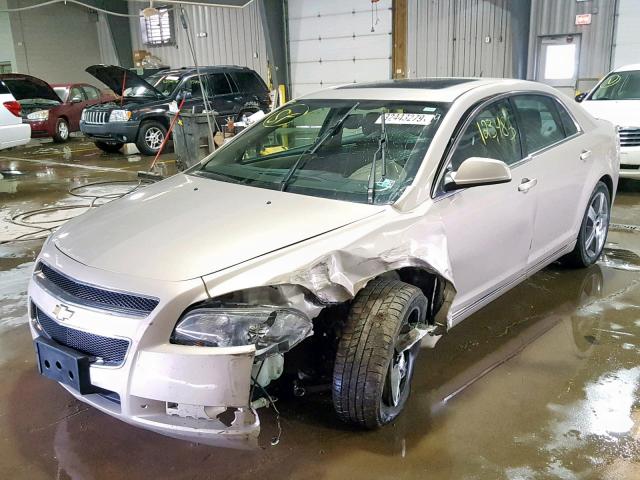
(119, 115)
(39, 115)
(268, 328)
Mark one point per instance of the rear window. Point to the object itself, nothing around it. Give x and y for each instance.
(3, 88)
(248, 82)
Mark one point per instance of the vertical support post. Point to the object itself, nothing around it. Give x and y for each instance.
(520, 26)
(272, 19)
(399, 38)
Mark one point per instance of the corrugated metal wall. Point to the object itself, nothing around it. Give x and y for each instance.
(459, 38)
(557, 17)
(234, 37)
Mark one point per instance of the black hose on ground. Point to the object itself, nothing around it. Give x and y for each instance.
(42, 229)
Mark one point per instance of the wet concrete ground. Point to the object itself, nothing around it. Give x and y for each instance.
(543, 383)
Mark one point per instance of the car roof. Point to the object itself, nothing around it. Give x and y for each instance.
(626, 68)
(438, 89)
(208, 69)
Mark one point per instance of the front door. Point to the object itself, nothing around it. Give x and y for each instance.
(488, 228)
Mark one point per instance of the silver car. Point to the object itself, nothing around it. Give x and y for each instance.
(331, 239)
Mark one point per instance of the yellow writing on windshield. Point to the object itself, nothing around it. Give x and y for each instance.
(613, 80)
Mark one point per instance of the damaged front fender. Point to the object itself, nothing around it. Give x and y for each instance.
(335, 266)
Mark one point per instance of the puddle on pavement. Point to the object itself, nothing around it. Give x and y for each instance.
(542, 383)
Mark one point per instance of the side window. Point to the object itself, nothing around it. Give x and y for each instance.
(248, 82)
(539, 121)
(220, 84)
(567, 121)
(193, 86)
(491, 134)
(75, 92)
(91, 93)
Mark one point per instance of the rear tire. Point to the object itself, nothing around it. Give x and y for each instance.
(109, 147)
(371, 380)
(593, 230)
(150, 137)
(62, 131)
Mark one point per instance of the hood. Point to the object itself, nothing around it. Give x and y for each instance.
(115, 77)
(186, 226)
(24, 87)
(624, 113)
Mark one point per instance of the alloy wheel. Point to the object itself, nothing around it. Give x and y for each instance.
(63, 130)
(597, 225)
(153, 137)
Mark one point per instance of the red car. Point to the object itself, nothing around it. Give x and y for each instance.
(53, 111)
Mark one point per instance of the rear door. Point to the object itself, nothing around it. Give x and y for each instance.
(222, 95)
(557, 150)
(488, 228)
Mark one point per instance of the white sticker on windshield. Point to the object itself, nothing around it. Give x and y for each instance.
(406, 118)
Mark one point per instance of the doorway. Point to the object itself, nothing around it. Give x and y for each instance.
(558, 61)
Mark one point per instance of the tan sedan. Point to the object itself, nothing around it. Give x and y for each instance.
(329, 240)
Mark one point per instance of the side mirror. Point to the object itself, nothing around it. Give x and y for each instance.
(581, 96)
(477, 171)
(76, 99)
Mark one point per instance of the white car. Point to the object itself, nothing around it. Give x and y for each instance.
(12, 131)
(617, 98)
(333, 238)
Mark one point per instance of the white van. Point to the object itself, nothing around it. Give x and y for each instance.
(617, 98)
(12, 131)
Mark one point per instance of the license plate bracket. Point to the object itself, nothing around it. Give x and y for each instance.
(64, 365)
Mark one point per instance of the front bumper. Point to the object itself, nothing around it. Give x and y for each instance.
(175, 390)
(39, 128)
(630, 162)
(115, 132)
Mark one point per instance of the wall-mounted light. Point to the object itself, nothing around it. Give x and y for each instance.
(150, 11)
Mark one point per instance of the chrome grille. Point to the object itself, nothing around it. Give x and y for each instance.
(89, 295)
(97, 117)
(110, 350)
(629, 137)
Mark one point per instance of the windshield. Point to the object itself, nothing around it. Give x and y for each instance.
(165, 84)
(619, 86)
(62, 92)
(341, 149)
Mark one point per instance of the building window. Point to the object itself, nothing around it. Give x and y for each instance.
(158, 30)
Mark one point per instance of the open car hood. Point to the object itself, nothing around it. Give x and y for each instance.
(116, 77)
(24, 87)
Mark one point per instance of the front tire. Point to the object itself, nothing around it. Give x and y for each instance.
(150, 137)
(371, 379)
(593, 229)
(61, 134)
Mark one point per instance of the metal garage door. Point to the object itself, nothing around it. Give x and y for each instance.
(331, 42)
(627, 43)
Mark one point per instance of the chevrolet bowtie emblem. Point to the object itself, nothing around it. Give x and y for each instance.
(62, 313)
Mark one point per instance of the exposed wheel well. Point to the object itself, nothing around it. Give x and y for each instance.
(162, 119)
(431, 284)
(608, 181)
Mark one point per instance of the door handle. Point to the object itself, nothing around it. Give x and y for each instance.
(585, 155)
(527, 184)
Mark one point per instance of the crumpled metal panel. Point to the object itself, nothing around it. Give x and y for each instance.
(356, 254)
